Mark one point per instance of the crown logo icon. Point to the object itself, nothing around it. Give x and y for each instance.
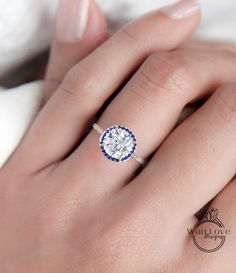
(211, 215)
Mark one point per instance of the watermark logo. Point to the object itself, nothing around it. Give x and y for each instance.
(209, 234)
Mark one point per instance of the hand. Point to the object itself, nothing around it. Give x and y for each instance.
(65, 208)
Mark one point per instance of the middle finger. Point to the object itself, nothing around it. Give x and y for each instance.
(196, 161)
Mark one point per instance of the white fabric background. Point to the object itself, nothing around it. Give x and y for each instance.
(21, 22)
(25, 28)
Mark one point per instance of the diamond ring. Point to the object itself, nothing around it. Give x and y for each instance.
(118, 143)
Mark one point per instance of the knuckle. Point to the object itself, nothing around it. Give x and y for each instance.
(226, 97)
(79, 85)
(128, 35)
(170, 74)
(131, 40)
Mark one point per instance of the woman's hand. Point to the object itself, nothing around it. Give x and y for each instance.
(66, 208)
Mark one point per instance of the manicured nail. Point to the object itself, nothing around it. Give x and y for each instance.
(72, 19)
(182, 9)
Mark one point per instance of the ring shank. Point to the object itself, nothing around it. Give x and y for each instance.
(98, 128)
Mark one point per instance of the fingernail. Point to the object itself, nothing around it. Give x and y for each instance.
(72, 19)
(182, 9)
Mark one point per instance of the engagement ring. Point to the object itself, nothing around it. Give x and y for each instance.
(118, 143)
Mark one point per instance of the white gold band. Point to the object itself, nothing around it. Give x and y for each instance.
(98, 128)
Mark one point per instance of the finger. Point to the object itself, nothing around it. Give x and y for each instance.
(150, 105)
(61, 124)
(226, 205)
(197, 160)
(80, 27)
(199, 42)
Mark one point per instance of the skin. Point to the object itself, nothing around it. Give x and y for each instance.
(65, 55)
(65, 208)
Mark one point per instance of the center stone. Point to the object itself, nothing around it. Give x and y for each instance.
(118, 143)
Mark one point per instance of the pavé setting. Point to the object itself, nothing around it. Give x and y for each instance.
(118, 143)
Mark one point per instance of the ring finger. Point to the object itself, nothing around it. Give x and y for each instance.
(150, 105)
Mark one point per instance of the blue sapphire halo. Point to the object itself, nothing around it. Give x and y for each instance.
(118, 143)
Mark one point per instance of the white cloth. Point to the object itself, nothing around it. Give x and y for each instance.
(25, 29)
(18, 106)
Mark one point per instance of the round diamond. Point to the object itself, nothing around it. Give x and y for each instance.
(118, 143)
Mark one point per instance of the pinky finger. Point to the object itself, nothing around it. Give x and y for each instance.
(225, 203)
